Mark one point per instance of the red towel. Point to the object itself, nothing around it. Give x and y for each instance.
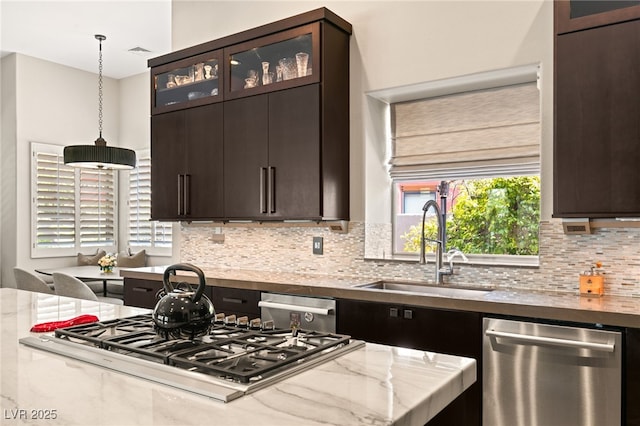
(54, 325)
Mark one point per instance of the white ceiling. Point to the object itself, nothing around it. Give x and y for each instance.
(62, 31)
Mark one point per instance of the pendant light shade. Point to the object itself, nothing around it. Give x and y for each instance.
(99, 155)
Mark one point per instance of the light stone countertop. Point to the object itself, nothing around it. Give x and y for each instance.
(608, 310)
(373, 385)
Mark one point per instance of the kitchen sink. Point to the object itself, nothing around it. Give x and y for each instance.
(424, 288)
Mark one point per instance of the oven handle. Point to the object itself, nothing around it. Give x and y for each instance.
(605, 347)
(295, 308)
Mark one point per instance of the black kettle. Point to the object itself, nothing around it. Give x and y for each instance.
(182, 312)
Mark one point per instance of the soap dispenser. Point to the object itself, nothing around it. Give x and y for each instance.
(592, 281)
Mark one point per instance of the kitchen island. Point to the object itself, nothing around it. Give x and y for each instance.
(376, 384)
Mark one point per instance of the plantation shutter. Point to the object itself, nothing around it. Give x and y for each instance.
(97, 208)
(476, 133)
(142, 231)
(54, 201)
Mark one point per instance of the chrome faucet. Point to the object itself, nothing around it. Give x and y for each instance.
(439, 239)
(441, 270)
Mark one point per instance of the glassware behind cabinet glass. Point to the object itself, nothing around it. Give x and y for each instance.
(178, 85)
(280, 61)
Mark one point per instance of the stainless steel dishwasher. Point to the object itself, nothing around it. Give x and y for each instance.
(546, 375)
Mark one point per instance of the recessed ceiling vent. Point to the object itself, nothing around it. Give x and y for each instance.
(576, 226)
(139, 50)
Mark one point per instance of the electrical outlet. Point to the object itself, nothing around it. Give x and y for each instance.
(317, 245)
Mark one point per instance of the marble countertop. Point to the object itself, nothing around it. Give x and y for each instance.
(373, 385)
(609, 310)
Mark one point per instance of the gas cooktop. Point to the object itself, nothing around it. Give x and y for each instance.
(224, 364)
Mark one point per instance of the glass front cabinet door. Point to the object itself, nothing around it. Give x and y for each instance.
(187, 83)
(279, 61)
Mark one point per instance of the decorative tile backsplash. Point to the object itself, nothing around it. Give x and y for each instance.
(289, 249)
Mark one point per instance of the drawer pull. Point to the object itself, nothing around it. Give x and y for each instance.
(142, 289)
(295, 308)
(233, 300)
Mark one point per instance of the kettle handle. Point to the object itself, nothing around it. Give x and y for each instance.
(171, 270)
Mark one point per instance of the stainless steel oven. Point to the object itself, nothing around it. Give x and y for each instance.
(309, 313)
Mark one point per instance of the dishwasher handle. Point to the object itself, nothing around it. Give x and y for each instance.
(295, 308)
(604, 347)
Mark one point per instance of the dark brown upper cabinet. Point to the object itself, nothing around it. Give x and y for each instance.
(187, 83)
(272, 156)
(186, 164)
(597, 122)
(283, 92)
(576, 15)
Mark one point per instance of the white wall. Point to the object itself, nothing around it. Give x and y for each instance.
(53, 104)
(134, 98)
(397, 43)
(135, 133)
(394, 43)
(7, 165)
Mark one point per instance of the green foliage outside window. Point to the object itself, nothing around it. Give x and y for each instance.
(489, 216)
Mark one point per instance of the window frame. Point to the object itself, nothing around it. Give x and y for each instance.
(482, 81)
(152, 249)
(78, 247)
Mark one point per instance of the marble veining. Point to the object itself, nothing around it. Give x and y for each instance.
(374, 385)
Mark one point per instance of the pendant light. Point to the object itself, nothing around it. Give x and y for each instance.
(99, 155)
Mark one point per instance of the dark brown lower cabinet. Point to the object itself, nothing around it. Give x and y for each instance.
(631, 378)
(141, 293)
(144, 293)
(444, 331)
(236, 301)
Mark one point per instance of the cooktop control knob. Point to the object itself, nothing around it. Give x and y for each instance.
(308, 316)
(255, 324)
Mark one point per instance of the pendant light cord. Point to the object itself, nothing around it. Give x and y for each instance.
(100, 38)
(99, 155)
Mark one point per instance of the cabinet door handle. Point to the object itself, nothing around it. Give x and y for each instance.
(272, 189)
(186, 199)
(180, 185)
(232, 300)
(263, 183)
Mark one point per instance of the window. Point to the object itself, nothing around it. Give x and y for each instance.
(72, 209)
(153, 236)
(495, 216)
(482, 146)
(97, 208)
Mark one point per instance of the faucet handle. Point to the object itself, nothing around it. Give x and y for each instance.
(451, 254)
(455, 252)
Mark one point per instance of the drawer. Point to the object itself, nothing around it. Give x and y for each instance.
(236, 301)
(141, 293)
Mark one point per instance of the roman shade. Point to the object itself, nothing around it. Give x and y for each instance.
(472, 134)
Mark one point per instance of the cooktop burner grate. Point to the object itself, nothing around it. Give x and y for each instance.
(227, 352)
